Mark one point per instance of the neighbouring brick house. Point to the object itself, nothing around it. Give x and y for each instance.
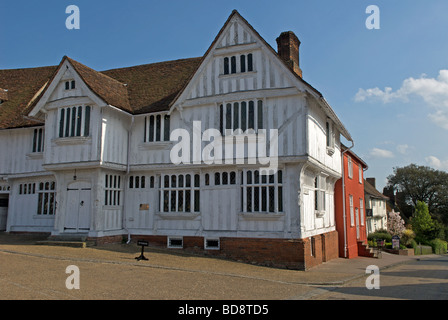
(350, 207)
(91, 153)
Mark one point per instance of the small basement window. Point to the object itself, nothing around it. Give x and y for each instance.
(175, 243)
(211, 244)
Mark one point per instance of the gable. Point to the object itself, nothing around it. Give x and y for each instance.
(227, 68)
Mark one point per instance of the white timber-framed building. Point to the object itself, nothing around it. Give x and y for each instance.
(88, 152)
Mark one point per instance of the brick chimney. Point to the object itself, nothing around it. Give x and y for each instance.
(372, 181)
(288, 49)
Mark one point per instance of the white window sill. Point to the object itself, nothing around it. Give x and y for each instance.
(156, 145)
(35, 155)
(178, 215)
(260, 216)
(71, 140)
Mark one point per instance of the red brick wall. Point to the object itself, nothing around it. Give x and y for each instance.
(280, 253)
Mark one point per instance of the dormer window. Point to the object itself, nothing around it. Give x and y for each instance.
(74, 122)
(245, 64)
(70, 85)
(38, 140)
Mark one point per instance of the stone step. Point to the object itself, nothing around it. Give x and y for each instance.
(73, 244)
(68, 240)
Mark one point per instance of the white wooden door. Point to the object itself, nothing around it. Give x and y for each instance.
(77, 213)
(3, 212)
(357, 223)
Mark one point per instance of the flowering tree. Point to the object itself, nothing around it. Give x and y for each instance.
(395, 224)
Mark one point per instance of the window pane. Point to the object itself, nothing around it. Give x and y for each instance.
(243, 63)
(151, 128)
(180, 201)
(217, 178)
(165, 201)
(67, 123)
(61, 123)
(226, 65)
(87, 122)
(235, 116)
(187, 201)
(260, 115)
(196, 201)
(196, 180)
(251, 115)
(249, 199)
(225, 178)
(166, 128)
(271, 199)
(249, 62)
(228, 116)
(233, 64)
(280, 199)
(35, 140)
(173, 200)
(221, 119)
(243, 116)
(131, 182)
(257, 199)
(232, 177)
(78, 122)
(264, 199)
(158, 127)
(72, 132)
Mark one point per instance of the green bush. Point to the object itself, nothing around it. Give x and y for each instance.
(387, 237)
(438, 246)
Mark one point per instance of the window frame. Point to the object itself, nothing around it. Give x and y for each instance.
(74, 121)
(170, 191)
(157, 128)
(264, 185)
(240, 117)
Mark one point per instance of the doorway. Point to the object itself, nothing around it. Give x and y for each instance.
(77, 215)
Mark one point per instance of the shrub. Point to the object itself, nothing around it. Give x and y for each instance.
(407, 237)
(387, 237)
(438, 246)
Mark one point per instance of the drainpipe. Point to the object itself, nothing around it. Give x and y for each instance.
(128, 156)
(343, 200)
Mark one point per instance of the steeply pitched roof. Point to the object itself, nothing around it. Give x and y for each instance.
(139, 89)
(371, 190)
(112, 92)
(152, 87)
(22, 86)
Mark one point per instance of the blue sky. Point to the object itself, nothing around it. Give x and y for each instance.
(388, 86)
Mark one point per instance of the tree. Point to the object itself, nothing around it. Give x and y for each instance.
(419, 183)
(421, 222)
(395, 224)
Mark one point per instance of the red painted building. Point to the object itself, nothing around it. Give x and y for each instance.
(350, 206)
